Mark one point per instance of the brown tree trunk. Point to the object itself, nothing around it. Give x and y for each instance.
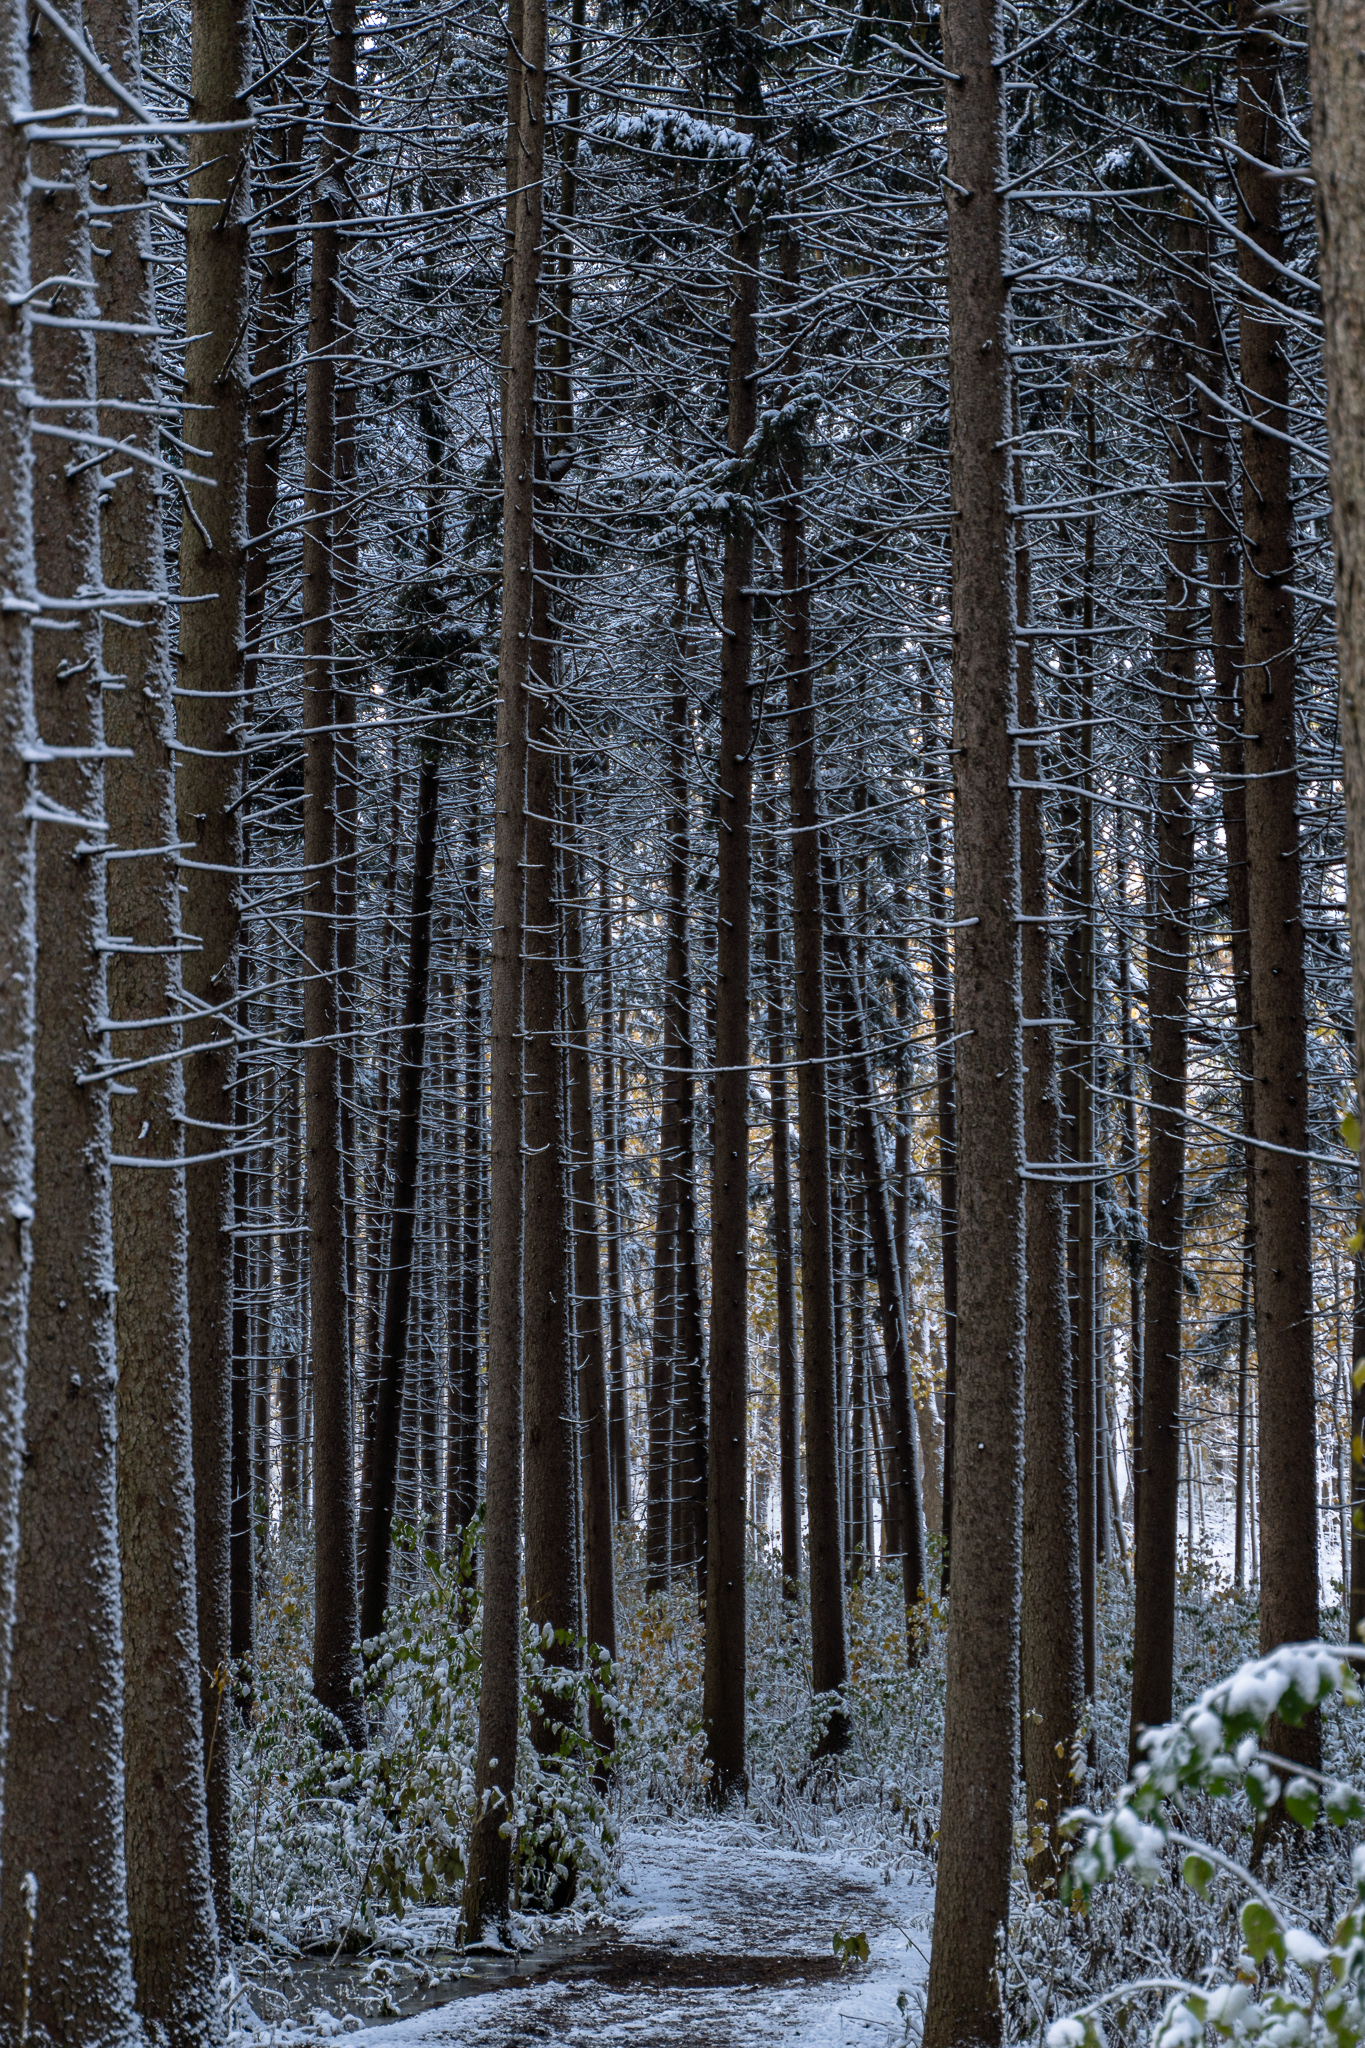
(488, 1872)
(723, 1681)
(336, 1664)
(1052, 1652)
(982, 1711)
(1168, 994)
(396, 1341)
(208, 782)
(17, 956)
(599, 1570)
(819, 1359)
(611, 1161)
(462, 1423)
(64, 1807)
(1336, 37)
(1279, 1040)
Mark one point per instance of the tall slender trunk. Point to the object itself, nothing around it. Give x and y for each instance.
(17, 953)
(1052, 1653)
(466, 1226)
(64, 1808)
(488, 1872)
(599, 1571)
(1279, 1035)
(611, 1162)
(982, 1713)
(396, 1340)
(784, 1276)
(208, 814)
(1168, 995)
(170, 1901)
(1336, 35)
(940, 972)
(819, 1360)
(723, 1681)
(336, 1618)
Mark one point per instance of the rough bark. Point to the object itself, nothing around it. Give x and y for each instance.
(65, 1783)
(336, 1628)
(819, 1359)
(1336, 57)
(1052, 1650)
(1168, 995)
(17, 955)
(940, 970)
(1279, 1035)
(395, 1342)
(788, 1392)
(170, 1902)
(208, 780)
(982, 1712)
(488, 1873)
(723, 1680)
(612, 1079)
(466, 1225)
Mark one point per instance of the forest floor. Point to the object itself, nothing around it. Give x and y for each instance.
(716, 1939)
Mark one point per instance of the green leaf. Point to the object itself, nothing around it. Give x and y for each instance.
(851, 1948)
(1344, 1803)
(1350, 1130)
(1261, 1932)
(1301, 1798)
(1197, 1870)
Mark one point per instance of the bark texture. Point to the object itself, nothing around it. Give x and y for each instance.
(208, 779)
(65, 1784)
(170, 1901)
(982, 1713)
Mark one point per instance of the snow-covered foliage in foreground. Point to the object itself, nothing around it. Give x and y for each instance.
(1288, 1985)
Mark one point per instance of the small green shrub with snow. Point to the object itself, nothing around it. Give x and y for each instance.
(1292, 1987)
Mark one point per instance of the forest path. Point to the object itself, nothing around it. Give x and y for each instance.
(717, 1940)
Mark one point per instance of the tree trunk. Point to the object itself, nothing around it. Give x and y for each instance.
(17, 957)
(1052, 1655)
(488, 1872)
(1168, 995)
(395, 1344)
(611, 1160)
(64, 1808)
(1279, 1043)
(982, 1710)
(466, 1223)
(599, 1570)
(1336, 38)
(336, 1664)
(208, 783)
(170, 1901)
(723, 1682)
(819, 1360)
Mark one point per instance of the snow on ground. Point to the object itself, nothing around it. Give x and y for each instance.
(717, 1940)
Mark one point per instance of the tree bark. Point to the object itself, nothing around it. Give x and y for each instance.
(611, 1159)
(819, 1359)
(208, 782)
(723, 1680)
(64, 1808)
(17, 944)
(1168, 995)
(462, 1424)
(982, 1711)
(170, 1901)
(1279, 1036)
(488, 1872)
(336, 1630)
(1052, 1654)
(395, 1343)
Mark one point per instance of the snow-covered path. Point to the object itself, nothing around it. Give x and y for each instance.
(718, 1940)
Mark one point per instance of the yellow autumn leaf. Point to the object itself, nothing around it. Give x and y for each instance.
(1350, 1130)
(1358, 1374)
(1356, 1241)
